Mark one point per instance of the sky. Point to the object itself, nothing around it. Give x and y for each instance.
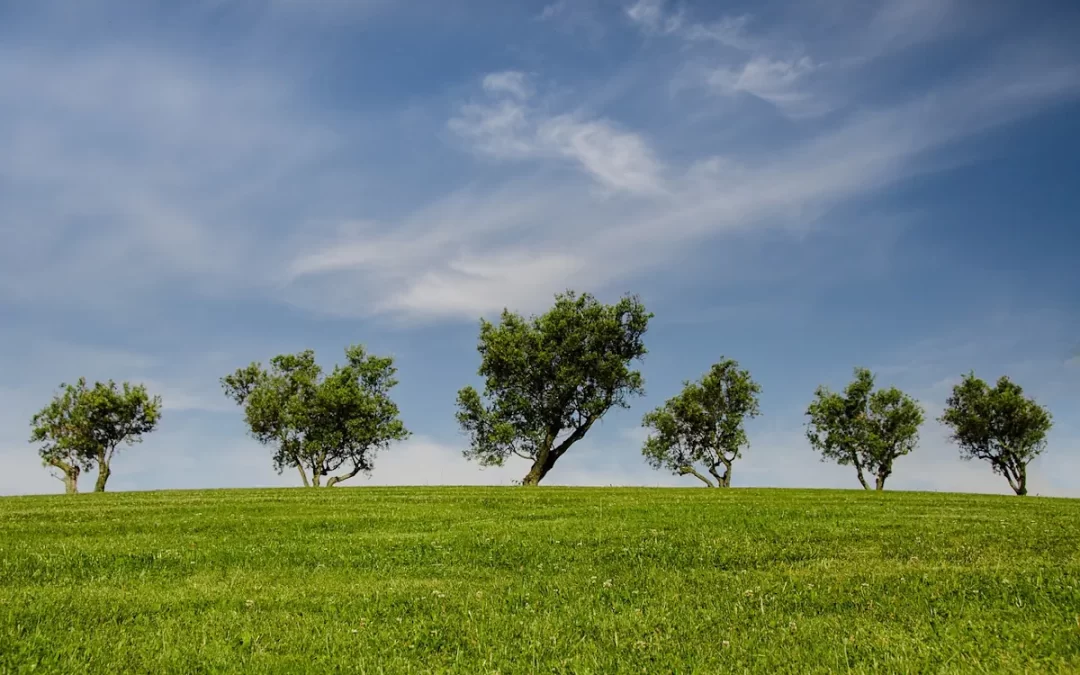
(805, 186)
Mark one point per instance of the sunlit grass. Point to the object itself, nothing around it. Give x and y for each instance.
(478, 580)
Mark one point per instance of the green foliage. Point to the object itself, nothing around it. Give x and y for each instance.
(704, 424)
(575, 580)
(550, 378)
(865, 428)
(83, 426)
(320, 425)
(998, 425)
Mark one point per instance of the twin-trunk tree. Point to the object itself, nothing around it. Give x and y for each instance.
(702, 428)
(82, 427)
(320, 425)
(865, 428)
(998, 425)
(550, 378)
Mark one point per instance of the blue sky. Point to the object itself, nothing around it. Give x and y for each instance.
(802, 186)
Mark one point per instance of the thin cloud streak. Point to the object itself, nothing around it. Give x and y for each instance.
(592, 239)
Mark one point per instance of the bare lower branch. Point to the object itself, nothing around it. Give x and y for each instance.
(689, 471)
(334, 480)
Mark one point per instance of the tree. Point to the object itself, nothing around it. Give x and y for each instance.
(549, 378)
(320, 425)
(703, 424)
(866, 428)
(83, 427)
(997, 425)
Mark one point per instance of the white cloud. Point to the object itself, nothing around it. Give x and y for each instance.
(431, 264)
(480, 285)
(424, 461)
(507, 128)
(777, 82)
(654, 17)
(507, 82)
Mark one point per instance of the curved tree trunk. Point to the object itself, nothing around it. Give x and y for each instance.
(722, 480)
(103, 476)
(334, 480)
(71, 476)
(540, 468)
(858, 471)
(303, 475)
(548, 455)
(690, 471)
(879, 483)
(1018, 479)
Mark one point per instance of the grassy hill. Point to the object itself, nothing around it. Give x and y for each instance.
(478, 580)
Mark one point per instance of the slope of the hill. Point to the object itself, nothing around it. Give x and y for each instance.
(538, 580)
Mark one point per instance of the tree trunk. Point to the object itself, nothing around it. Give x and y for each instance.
(689, 471)
(71, 483)
(862, 481)
(71, 478)
(548, 455)
(303, 475)
(1021, 480)
(722, 480)
(334, 480)
(314, 479)
(540, 468)
(1017, 476)
(879, 484)
(102, 477)
(858, 470)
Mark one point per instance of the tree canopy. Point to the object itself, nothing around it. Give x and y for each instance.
(82, 427)
(865, 428)
(704, 425)
(320, 425)
(549, 378)
(998, 425)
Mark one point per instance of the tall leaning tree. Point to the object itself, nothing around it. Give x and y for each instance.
(83, 427)
(864, 428)
(550, 378)
(702, 429)
(998, 425)
(325, 427)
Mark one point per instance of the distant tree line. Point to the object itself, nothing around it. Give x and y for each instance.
(547, 380)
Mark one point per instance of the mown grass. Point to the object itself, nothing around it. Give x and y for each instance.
(538, 580)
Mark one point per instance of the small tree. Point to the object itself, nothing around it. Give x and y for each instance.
(868, 429)
(550, 378)
(83, 427)
(320, 425)
(997, 425)
(703, 425)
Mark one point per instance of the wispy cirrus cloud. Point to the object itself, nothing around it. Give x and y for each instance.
(755, 65)
(507, 127)
(459, 265)
(655, 17)
(777, 82)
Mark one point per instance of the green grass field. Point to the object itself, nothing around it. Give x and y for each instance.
(479, 580)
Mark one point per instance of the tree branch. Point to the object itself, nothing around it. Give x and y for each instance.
(334, 480)
(572, 438)
(689, 471)
(859, 470)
